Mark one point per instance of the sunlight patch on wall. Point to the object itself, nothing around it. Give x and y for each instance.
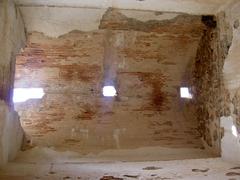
(109, 91)
(234, 131)
(24, 94)
(185, 93)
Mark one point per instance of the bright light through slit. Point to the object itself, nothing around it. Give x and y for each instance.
(109, 91)
(24, 94)
(234, 131)
(184, 92)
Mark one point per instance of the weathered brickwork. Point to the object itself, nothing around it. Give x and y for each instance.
(181, 24)
(147, 67)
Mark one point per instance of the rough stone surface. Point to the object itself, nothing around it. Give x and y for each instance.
(231, 65)
(147, 67)
(231, 141)
(212, 100)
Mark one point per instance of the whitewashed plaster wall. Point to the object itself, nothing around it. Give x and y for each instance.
(231, 72)
(198, 7)
(11, 134)
(12, 38)
(56, 21)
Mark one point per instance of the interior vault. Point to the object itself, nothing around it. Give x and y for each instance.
(84, 84)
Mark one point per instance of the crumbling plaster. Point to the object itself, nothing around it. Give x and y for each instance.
(55, 21)
(12, 38)
(231, 33)
(198, 7)
(55, 18)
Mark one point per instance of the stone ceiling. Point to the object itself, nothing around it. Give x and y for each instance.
(185, 6)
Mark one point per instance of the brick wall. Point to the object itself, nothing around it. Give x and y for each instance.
(147, 62)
